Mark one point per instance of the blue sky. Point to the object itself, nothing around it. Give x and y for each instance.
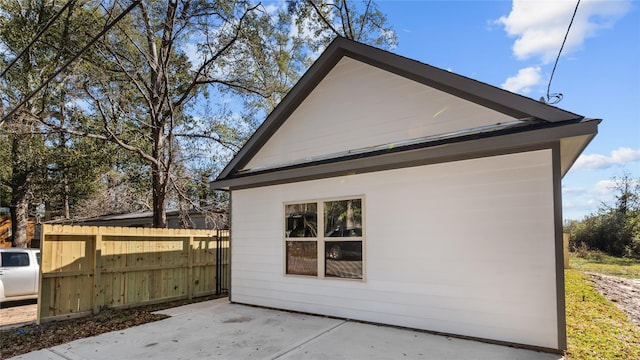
(513, 45)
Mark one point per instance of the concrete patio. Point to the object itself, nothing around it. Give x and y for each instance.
(219, 330)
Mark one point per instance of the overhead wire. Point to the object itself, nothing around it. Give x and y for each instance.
(71, 60)
(558, 96)
(37, 36)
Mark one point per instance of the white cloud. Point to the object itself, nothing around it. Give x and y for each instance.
(604, 188)
(388, 35)
(540, 26)
(581, 201)
(307, 29)
(523, 82)
(578, 190)
(578, 202)
(191, 51)
(272, 9)
(607, 188)
(621, 156)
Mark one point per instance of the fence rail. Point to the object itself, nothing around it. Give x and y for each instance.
(86, 268)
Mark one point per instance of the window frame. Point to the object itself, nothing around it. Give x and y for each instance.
(321, 240)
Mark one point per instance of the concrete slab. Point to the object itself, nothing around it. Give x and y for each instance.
(353, 340)
(44, 354)
(220, 330)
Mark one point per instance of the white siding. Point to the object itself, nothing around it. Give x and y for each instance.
(465, 247)
(357, 105)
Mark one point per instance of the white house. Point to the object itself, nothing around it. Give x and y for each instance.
(385, 190)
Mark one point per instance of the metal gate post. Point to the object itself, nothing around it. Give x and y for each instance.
(218, 265)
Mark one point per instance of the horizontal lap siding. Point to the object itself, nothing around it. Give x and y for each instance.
(464, 247)
(358, 105)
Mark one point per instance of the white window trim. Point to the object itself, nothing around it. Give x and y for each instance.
(320, 239)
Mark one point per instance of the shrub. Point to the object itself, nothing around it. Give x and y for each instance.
(615, 230)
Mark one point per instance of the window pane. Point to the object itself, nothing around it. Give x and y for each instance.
(11, 259)
(302, 258)
(302, 220)
(343, 259)
(343, 218)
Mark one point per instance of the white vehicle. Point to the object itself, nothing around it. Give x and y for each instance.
(19, 274)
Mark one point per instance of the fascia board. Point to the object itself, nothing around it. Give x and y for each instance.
(469, 89)
(494, 98)
(488, 146)
(309, 80)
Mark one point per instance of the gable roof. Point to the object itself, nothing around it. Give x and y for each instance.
(532, 115)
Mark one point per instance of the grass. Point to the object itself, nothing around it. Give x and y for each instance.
(597, 262)
(596, 329)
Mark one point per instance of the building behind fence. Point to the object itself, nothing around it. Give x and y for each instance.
(84, 268)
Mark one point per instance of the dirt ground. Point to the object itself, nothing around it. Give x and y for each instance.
(624, 293)
(18, 313)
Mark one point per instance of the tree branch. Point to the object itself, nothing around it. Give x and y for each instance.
(231, 84)
(215, 57)
(364, 18)
(324, 20)
(217, 139)
(73, 58)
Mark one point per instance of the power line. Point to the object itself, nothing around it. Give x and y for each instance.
(558, 96)
(73, 58)
(35, 38)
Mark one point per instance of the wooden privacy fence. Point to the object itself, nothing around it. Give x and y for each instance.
(86, 268)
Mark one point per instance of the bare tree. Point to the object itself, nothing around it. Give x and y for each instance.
(174, 73)
(361, 21)
(141, 83)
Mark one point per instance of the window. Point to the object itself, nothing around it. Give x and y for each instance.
(15, 259)
(302, 254)
(339, 243)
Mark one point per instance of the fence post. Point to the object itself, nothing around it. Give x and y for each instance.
(189, 248)
(129, 273)
(97, 273)
(43, 228)
(218, 263)
(565, 248)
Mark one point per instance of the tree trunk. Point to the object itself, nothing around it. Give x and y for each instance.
(67, 210)
(350, 217)
(160, 167)
(159, 198)
(19, 206)
(159, 178)
(19, 219)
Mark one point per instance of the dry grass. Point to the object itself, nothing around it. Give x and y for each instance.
(597, 262)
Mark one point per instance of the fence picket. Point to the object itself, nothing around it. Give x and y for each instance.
(87, 268)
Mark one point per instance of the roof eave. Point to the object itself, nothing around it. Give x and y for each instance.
(483, 94)
(490, 145)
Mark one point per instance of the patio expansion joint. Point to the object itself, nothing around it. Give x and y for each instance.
(63, 356)
(306, 341)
